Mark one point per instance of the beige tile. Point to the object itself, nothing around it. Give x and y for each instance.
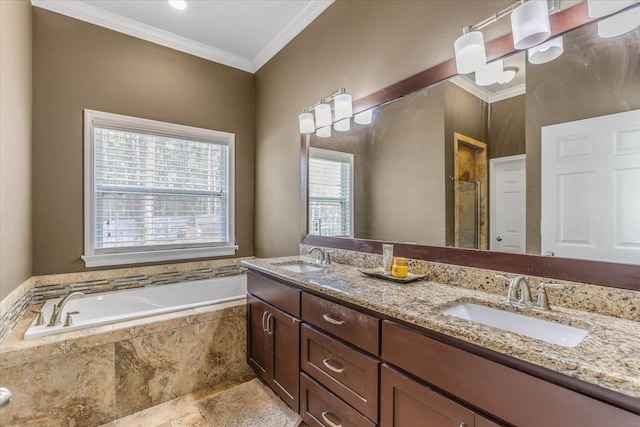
(74, 389)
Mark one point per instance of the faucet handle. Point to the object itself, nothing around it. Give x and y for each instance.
(327, 256)
(68, 321)
(550, 286)
(39, 318)
(542, 301)
(501, 277)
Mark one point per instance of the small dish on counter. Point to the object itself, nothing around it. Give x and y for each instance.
(379, 273)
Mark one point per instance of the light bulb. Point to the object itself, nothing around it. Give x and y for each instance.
(323, 115)
(342, 106)
(305, 120)
(530, 24)
(178, 4)
(470, 52)
(342, 125)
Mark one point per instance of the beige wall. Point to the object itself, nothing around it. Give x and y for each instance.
(78, 65)
(363, 46)
(15, 144)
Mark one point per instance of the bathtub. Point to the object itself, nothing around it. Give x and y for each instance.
(110, 307)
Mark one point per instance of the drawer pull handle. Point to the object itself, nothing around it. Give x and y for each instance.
(269, 323)
(332, 320)
(328, 421)
(326, 362)
(264, 316)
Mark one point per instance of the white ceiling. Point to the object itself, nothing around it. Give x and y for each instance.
(243, 34)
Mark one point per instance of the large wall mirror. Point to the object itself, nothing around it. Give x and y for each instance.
(542, 160)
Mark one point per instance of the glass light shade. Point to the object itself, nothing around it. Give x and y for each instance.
(363, 118)
(178, 4)
(619, 24)
(600, 8)
(342, 106)
(530, 24)
(507, 75)
(546, 52)
(307, 125)
(342, 125)
(489, 73)
(324, 132)
(470, 53)
(323, 115)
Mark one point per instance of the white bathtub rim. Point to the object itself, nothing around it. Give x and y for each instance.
(35, 332)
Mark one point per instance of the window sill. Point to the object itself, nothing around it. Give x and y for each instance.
(102, 260)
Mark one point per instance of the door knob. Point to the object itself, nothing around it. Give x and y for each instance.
(499, 239)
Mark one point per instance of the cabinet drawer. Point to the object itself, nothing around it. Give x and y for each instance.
(350, 325)
(320, 408)
(509, 394)
(347, 372)
(286, 298)
(407, 403)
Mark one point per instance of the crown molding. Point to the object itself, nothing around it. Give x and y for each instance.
(311, 11)
(484, 94)
(94, 15)
(475, 90)
(521, 89)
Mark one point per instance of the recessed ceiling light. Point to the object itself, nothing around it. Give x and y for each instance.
(178, 4)
(508, 74)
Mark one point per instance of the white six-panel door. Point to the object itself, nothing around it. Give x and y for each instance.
(508, 201)
(591, 188)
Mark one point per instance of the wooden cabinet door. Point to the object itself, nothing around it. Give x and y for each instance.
(259, 353)
(284, 333)
(407, 403)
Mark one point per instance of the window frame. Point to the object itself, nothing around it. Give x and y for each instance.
(93, 118)
(342, 157)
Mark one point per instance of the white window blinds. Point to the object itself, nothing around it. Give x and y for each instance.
(330, 193)
(153, 190)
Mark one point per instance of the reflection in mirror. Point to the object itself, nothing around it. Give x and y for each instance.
(541, 156)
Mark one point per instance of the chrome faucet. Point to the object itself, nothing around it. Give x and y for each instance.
(56, 316)
(518, 283)
(323, 256)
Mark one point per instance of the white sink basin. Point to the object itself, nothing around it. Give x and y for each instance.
(553, 333)
(300, 267)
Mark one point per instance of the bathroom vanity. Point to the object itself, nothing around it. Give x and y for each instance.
(346, 350)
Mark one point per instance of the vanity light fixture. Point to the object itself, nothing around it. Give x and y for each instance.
(619, 24)
(530, 24)
(490, 73)
(470, 52)
(342, 125)
(323, 115)
(306, 122)
(546, 52)
(364, 118)
(343, 110)
(178, 4)
(600, 8)
(324, 132)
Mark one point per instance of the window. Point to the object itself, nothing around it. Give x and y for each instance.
(155, 191)
(330, 193)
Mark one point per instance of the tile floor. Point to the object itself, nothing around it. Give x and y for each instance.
(180, 412)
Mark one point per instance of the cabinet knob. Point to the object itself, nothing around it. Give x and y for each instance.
(331, 320)
(463, 424)
(328, 421)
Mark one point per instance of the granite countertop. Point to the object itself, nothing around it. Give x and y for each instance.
(609, 356)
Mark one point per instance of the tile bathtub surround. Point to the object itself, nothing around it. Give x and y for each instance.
(36, 290)
(137, 364)
(621, 303)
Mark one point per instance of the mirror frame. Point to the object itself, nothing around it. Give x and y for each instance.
(623, 276)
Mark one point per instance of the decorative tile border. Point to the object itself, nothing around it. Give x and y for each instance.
(621, 303)
(38, 289)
